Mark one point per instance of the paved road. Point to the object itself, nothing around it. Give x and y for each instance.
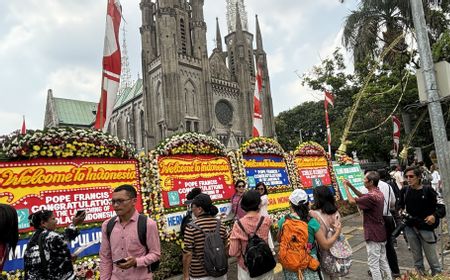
(352, 229)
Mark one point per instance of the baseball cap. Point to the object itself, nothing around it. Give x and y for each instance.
(297, 196)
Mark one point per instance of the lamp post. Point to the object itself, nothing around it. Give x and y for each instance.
(434, 105)
(299, 130)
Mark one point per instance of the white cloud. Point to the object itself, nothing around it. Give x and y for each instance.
(59, 45)
(276, 61)
(75, 83)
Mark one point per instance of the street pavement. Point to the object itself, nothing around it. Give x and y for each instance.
(352, 229)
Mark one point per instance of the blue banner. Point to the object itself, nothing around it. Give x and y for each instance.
(269, 169)
(86, 236)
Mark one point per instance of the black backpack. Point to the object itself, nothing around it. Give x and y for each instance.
(142, 233)
(186, 220)
(215, 260)
(258, 257)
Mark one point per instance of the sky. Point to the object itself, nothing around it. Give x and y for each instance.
(58, 45)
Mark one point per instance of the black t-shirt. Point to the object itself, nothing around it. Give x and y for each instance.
(419, 203)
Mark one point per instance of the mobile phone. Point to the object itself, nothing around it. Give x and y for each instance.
(80, 212)
(123, 260)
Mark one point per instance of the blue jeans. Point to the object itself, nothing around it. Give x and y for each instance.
(417, 243)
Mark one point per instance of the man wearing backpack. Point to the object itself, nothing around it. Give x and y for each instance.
(248, 241)
(122, 254)
(205, 240)
(371, 204)
(421, 221)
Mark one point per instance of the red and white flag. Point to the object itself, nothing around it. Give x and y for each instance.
(23, 131)
(329, 99)
(257, 110)
(111, 65)
(396, 134)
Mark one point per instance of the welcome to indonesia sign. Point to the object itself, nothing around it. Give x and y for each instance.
(15, 259)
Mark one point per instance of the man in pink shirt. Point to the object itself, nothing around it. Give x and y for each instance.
(122, 256)
(371, 204)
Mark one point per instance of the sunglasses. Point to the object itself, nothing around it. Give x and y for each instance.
(410, 176)
(240, 186)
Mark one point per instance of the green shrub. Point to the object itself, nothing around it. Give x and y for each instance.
(171, 261)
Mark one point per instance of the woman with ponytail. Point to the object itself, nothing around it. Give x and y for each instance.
(326, 212)
(47, 255)
(297, 232)
(194, 238)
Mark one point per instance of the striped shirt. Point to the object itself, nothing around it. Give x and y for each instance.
(194, 241)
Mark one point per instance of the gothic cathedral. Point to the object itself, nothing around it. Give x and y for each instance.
(184, 89)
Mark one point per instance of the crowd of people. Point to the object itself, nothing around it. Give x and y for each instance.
(308, 236)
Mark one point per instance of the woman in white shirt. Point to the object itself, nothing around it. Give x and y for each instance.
(263, 208)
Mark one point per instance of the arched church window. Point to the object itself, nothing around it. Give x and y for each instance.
(183, 36)
(250, 63)
(232, 63)
(142, 125)
(128, 123)
(160, 102)
(190, 99)
(119, 128)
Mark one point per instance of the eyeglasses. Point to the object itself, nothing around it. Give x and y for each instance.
(240, 186)
(119, 201)
(410, 176)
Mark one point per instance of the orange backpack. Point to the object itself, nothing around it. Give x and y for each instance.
(294, 252)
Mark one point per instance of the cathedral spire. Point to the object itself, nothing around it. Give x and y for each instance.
(218, 36)
(125, 76)
(233, 7)
(239, 31)
(259, 43)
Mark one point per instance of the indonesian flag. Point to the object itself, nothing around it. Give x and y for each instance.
(329, 99)
(111, 65)
(396, 134)
(257, 112)
(23, 131)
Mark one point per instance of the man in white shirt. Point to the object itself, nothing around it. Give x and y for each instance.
(389, 223)
(397, 175)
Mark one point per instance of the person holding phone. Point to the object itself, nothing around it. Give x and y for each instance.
(122, 256)
(47, 255)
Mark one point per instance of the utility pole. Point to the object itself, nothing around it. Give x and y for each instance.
(434, 105)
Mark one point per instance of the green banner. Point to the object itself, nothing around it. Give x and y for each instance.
(351, 172)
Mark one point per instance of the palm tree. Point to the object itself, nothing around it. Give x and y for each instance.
(377, 23)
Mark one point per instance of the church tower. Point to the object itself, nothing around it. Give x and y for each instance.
(185, 90)
(175, 68)
(241, 63)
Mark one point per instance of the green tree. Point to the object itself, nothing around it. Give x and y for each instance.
(377, 23)
(306, 119)
(387, 93)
